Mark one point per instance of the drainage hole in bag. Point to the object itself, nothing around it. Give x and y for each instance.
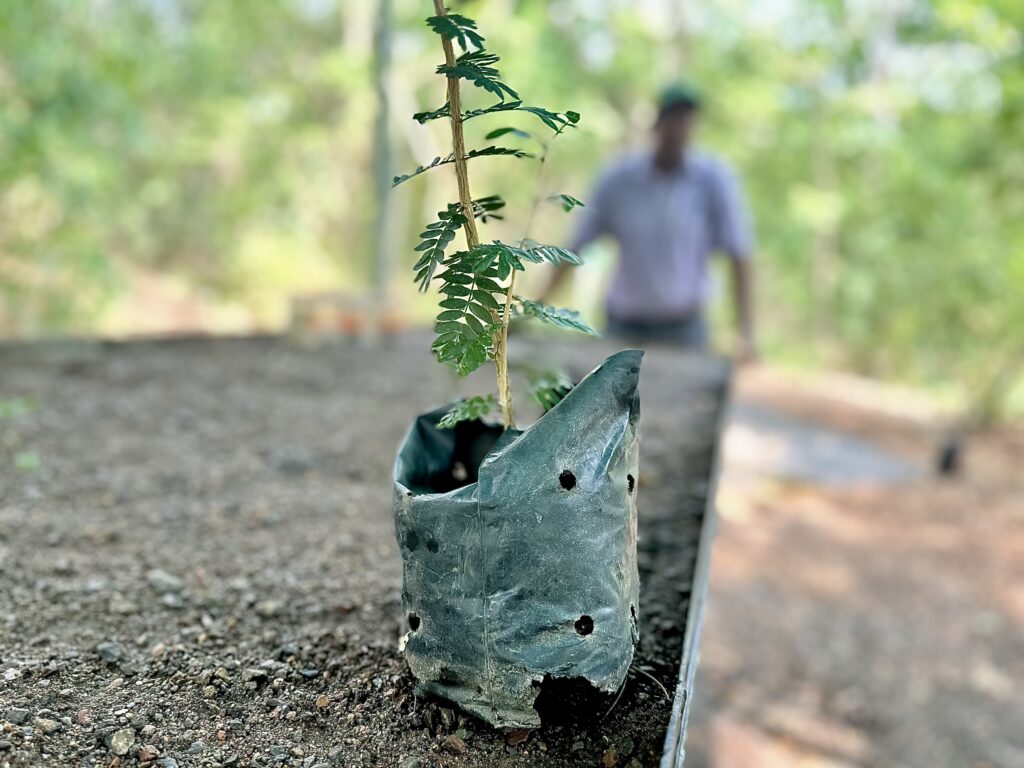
(630, 483)
(414, 622)
(567, 480)
(584, 625)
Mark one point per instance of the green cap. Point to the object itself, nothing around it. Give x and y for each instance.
(679, 95)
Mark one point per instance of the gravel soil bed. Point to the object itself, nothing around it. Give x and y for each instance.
(198, 563)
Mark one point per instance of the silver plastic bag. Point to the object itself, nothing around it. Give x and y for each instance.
(519, 548)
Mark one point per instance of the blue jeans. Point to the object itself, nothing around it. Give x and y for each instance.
(689, 333)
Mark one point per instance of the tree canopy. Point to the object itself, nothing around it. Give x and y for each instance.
(228, 146)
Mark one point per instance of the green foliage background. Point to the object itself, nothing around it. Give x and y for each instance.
(227, 146)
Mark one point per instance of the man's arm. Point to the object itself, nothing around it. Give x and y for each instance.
(734, 236)
(743, 289)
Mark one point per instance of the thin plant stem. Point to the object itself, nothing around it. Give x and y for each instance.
(500, 337)
(507, 310)
(458, 138)
(538, 195)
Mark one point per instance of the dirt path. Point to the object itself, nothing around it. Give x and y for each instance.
(855, 622)
(201, 569)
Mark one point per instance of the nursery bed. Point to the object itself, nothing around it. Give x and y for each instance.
(199, 561)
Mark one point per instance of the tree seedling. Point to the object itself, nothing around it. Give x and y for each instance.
(477, 283)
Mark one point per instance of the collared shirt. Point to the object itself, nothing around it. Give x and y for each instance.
(667, 225)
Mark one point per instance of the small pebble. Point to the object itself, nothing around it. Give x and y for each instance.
(518, 736)
(17, 715)
(109, 651)
(163, 582)
(267, 609)
(455, 745)
(148, 753)
(121, 741)
(122, 605)
(46, 725)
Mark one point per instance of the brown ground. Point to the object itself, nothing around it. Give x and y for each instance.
(855, 626)
(197, 554)
(868, 625)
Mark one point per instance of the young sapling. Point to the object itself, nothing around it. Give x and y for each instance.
(477, 283)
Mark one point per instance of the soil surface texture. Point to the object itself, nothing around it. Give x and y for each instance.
(199, 567)
(862, 619)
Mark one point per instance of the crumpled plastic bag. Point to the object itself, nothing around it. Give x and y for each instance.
(519, 548)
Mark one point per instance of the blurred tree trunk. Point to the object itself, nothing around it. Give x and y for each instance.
(382, 156)
(677, 54)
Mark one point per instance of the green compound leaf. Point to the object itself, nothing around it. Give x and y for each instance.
(562, 318)
(497, 133)
(469, 409)
(435, 114)
(568, 202)
(552, 254)
(448, 159)
(422, 169)
(556, 121)
(433, 241)
(468, 319)
(491, 254)
(458, 28)
(487, 284)
(496, 152)
(477, 67)
(485, 299)
(549, 387)
(484, 208)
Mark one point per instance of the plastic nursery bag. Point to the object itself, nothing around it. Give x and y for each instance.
(519, 548)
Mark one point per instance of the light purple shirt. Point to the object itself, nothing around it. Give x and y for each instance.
(666, 225)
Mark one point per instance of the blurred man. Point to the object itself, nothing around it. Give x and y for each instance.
(669, 208)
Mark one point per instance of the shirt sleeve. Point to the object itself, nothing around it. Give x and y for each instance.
(595, 215)
(731, 230)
